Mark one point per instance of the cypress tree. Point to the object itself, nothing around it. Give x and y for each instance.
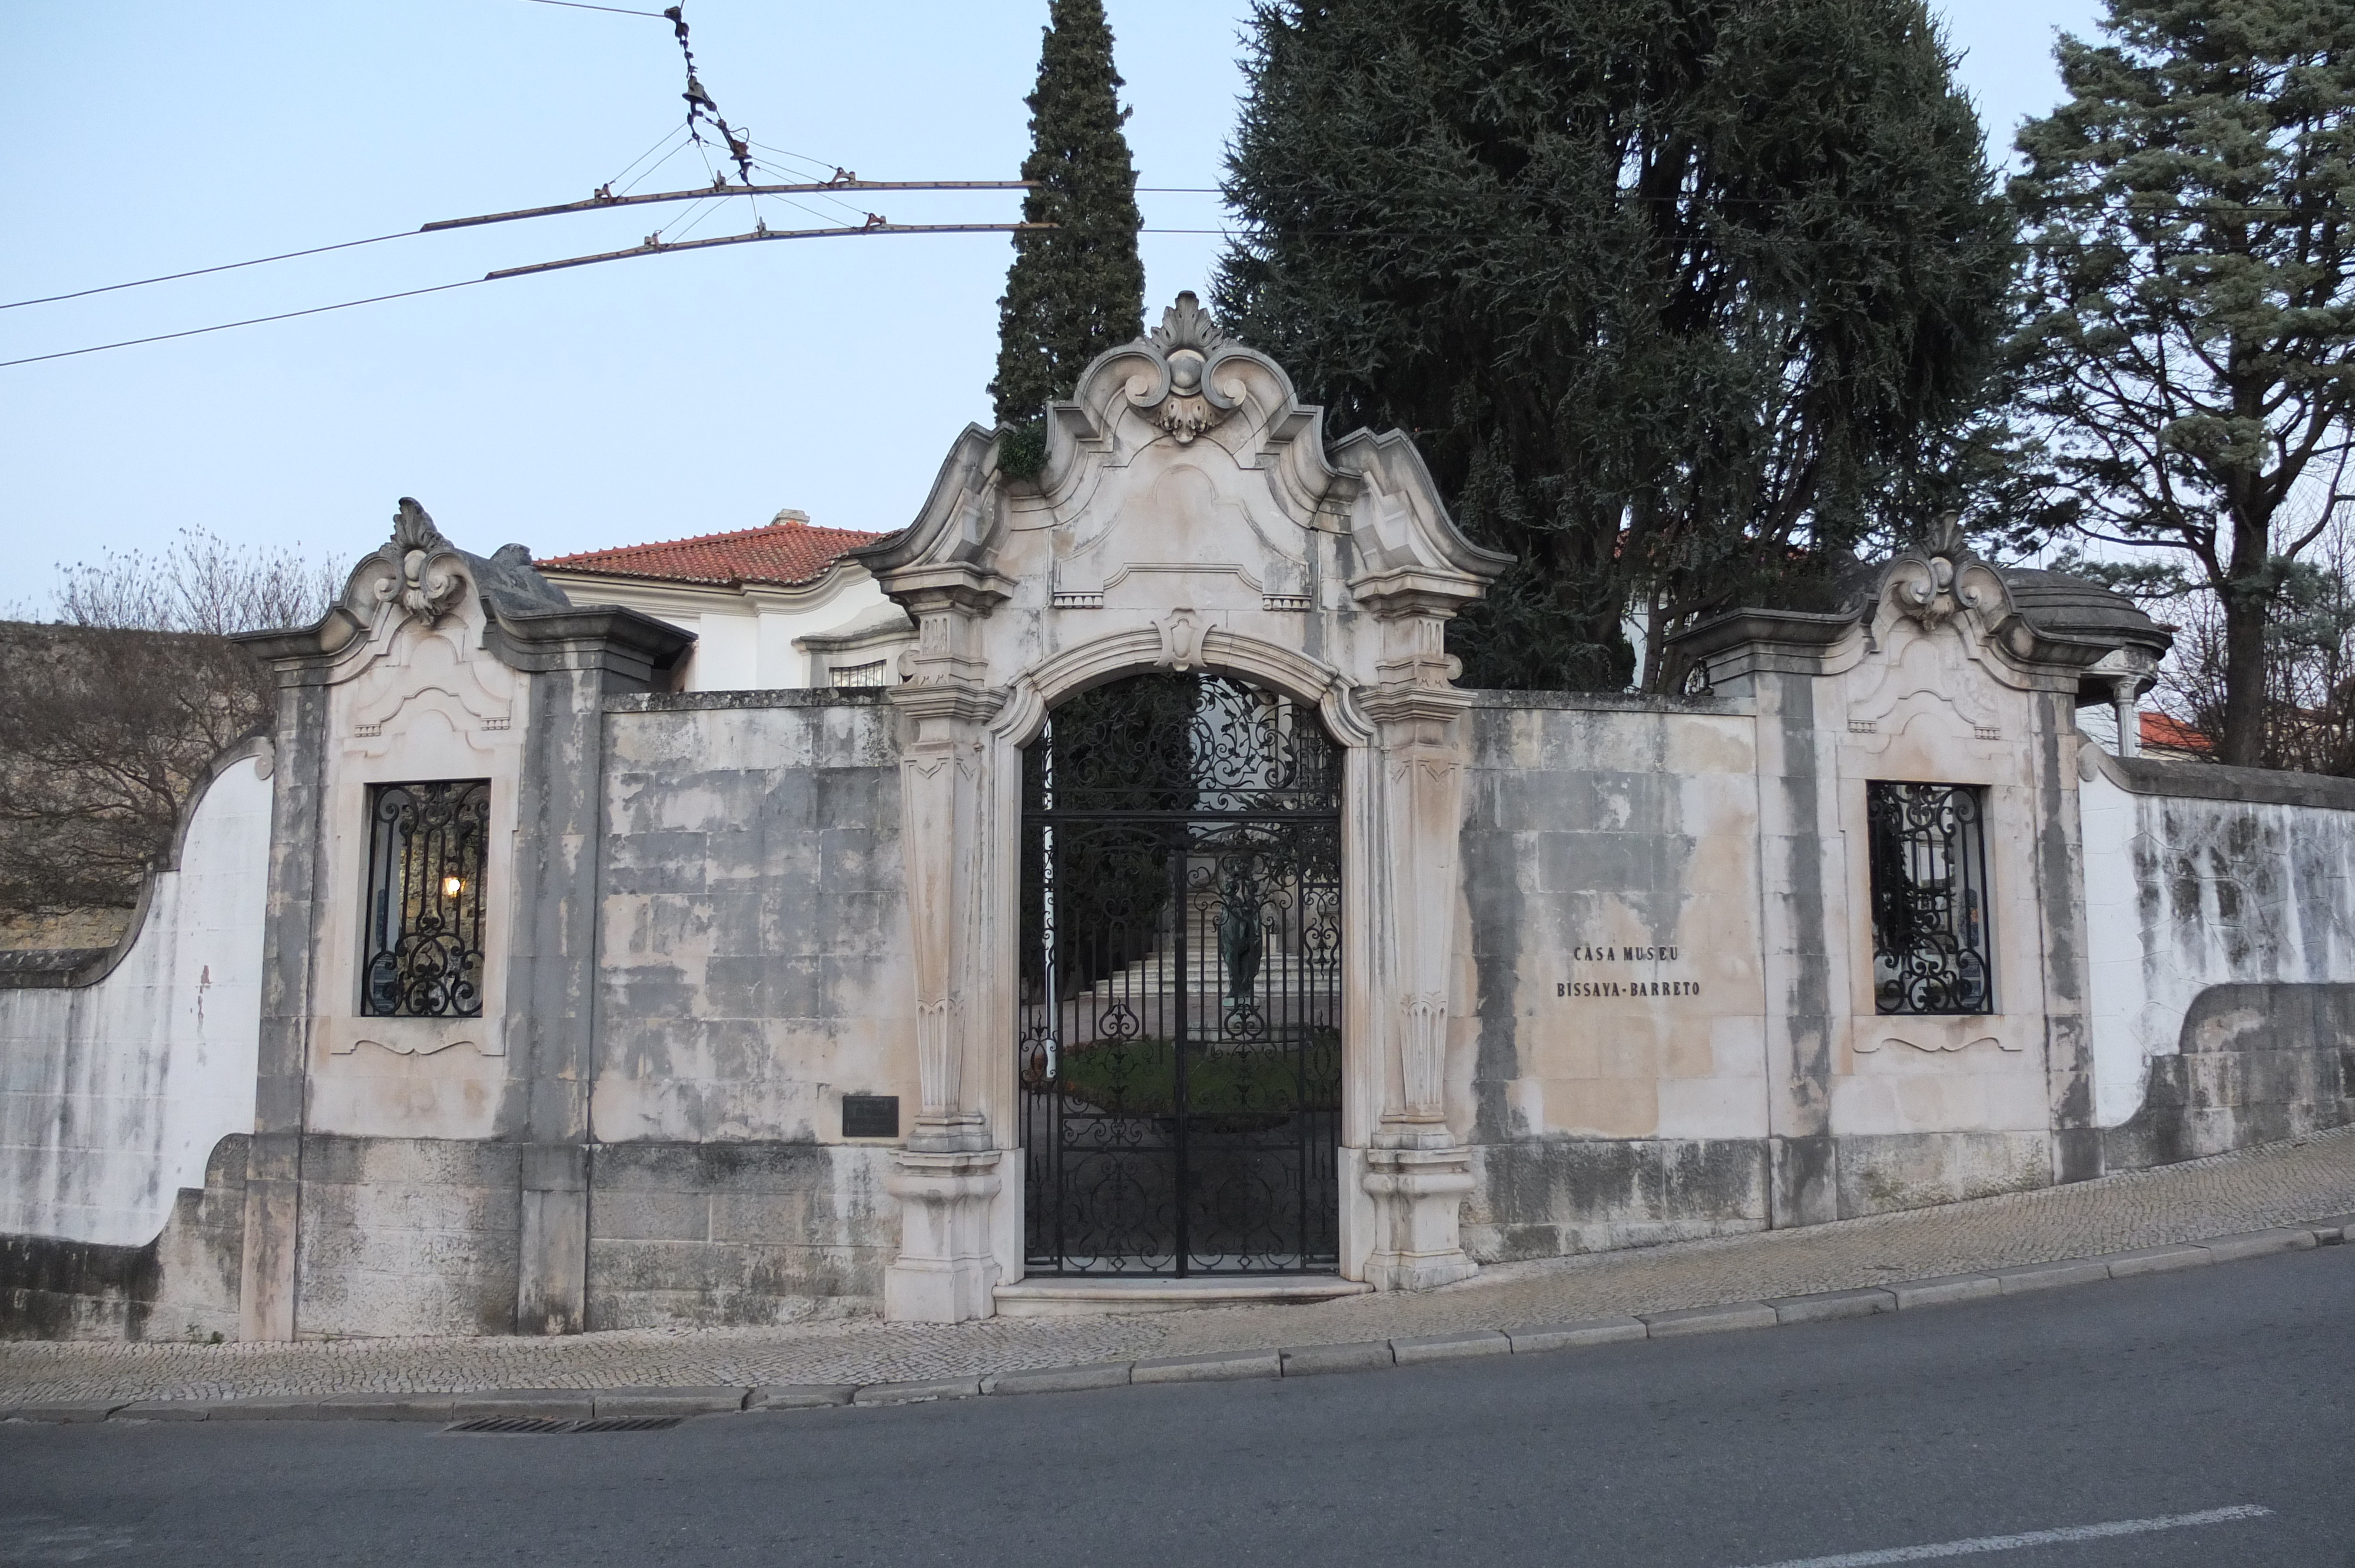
(1671, 293)
(1078, 289)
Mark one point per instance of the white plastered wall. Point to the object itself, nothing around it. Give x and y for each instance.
(113, 1095)
(2182, 894)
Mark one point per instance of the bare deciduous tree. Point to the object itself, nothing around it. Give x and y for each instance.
(109, 715)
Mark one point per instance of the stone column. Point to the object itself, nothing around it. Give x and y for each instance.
(274, 1182)
(1415, 1174)
(947, 1177)
(572, 658)
(2130, 717)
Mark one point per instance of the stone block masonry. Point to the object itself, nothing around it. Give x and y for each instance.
(723, 1234)
(2254, 1204)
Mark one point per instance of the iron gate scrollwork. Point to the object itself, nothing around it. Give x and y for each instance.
(427, 847)
(1930, 939)
(1180, 1035)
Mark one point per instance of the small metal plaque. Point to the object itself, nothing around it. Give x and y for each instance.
(870, 1115)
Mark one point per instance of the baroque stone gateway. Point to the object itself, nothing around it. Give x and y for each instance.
(1171, 929)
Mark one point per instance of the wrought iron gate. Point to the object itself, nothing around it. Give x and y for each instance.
(1180, 1014)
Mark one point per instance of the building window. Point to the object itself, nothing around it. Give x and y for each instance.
(1930, 939)
(427, 845)
(859, 674)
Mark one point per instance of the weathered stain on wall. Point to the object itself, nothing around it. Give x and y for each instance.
(2199, 877)
(182, 1285)
(754, 960)
(1612, 1061)
(736, 1233)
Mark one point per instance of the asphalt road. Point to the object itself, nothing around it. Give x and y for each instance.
(2142, 1400)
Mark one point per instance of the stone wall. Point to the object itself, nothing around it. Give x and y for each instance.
(736, 1233)
(1611, 1058)
(182, 1285)
(126, 1080)
(2255, 1063)
(2222, 944)
(752, 970)
(407, 1235)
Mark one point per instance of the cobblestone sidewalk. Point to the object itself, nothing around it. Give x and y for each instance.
(2305, 1178)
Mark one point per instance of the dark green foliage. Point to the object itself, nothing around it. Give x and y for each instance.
(2189, 346)
(1716, 275)
(1139, 1077)
(1078, 289)
(1022, 449)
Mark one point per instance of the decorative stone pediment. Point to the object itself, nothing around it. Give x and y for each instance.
(1185, 470)
(1940, 576)
(2017, 628)
(2033, 640)
(418, 573)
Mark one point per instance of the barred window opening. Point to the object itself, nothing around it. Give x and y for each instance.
(873, 673)
(427, 846)
(1931, 946)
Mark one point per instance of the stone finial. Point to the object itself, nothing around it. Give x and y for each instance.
(1186, 325)
(1943, 537)
(1941, 576)
(424, 578)
(1185, 404)
(413, 529)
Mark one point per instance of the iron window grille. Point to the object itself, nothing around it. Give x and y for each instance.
(427, 846)
(1931, 949)
(875, 672)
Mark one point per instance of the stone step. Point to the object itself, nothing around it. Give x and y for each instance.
(1086, 1297)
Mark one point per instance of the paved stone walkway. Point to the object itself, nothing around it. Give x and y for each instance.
(2305, 1178)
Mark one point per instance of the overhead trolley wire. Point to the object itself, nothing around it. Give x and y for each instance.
(617, 10)
(656, 248)
(593, 205)
(200, 271)
(252, 321)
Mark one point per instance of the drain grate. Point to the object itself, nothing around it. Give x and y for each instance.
(518, 1425)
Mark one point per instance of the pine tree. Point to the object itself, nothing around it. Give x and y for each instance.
(1670, 292)
(1078, 289)
(2190, 351)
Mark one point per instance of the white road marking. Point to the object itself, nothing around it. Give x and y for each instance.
(2032, 1538)
(71, 1543)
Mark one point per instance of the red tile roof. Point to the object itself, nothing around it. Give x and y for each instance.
(785, 552)
(2173, 735)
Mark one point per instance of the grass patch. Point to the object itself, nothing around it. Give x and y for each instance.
(1139, 1077)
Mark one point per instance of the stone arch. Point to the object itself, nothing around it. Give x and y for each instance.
(1304, 678)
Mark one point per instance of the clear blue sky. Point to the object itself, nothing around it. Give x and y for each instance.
(607, 405)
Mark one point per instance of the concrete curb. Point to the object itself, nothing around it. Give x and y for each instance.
(1292, 1361)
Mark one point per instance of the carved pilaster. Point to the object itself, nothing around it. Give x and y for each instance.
(945, 1272)
(947, 1177)
(1415, 1174)
(1418, 1197)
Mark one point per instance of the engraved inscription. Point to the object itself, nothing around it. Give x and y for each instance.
(1592, 984)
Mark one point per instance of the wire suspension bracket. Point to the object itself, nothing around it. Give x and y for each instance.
(656, 245)
(722, 186)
